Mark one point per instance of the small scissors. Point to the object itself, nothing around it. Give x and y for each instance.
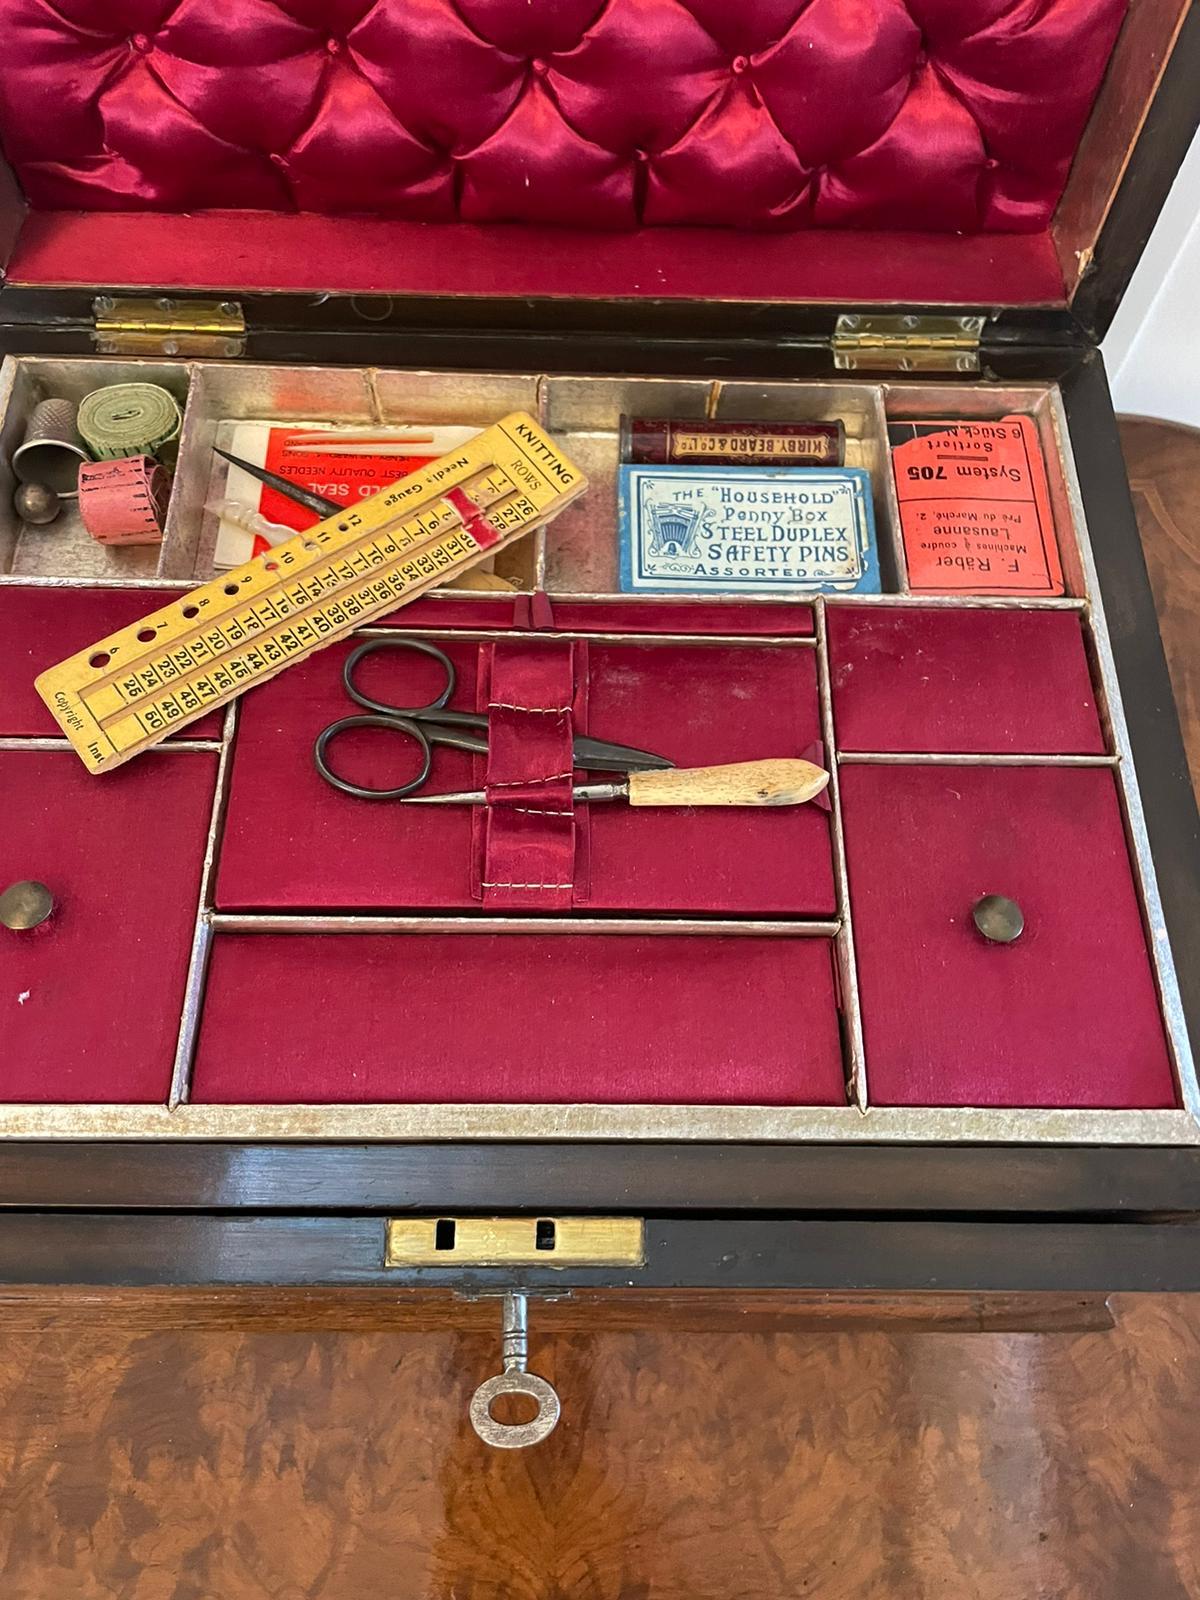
(432, 724)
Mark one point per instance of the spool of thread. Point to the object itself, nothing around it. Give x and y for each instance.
(124, 501)
(128, 419)
(52, 449)
(734, 444)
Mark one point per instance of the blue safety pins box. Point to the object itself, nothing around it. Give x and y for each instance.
(740, 530)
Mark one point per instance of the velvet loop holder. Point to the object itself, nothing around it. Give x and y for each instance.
(525, 838)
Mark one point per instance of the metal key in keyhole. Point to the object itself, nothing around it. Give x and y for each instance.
(514, 1380)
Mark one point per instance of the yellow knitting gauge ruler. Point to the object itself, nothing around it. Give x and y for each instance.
(130, 690)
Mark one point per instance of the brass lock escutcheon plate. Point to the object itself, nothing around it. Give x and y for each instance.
(515, 1242)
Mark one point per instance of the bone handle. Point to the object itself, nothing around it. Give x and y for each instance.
(743, 783)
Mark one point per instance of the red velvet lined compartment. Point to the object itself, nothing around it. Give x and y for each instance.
(41, 625)
(92, 998)
(513, 1017)
(1065, 1016)
(703, 705)
(968, 681)
(292, 842)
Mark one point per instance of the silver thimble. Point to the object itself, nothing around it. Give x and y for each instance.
(52, 449)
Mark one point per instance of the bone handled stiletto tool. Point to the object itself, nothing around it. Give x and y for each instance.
(741, 783)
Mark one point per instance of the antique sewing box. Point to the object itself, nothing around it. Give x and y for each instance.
(271, 1035)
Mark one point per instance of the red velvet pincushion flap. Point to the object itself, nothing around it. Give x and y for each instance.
(644, 614)
(276, 252)
(528, 827)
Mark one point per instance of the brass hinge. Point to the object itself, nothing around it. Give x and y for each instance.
(134, 325)
(515, 1242)
(864, 343)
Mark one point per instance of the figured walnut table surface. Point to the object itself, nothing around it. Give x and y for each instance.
(1163, 459)
(318, 1446)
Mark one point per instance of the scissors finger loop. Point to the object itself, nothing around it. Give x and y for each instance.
(381, 706)
(394, 725)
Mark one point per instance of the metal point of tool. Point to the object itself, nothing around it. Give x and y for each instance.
(25, 904)
(284, 486)
(478, 797)
(999, 919)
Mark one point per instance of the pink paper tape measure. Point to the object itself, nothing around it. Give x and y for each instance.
(124, 501)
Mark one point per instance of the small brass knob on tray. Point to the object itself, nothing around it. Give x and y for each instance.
(999, 919)
(25, 904)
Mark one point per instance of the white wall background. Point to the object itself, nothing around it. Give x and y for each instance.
(1152, 351)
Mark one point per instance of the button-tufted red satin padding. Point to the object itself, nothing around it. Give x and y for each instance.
(948, 115)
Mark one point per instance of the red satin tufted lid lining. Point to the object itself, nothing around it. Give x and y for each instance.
(954, 116)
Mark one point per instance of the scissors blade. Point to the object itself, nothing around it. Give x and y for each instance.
(450, 734)
(598, 755)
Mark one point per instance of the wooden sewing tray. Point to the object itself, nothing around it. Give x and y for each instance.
(264, 1020)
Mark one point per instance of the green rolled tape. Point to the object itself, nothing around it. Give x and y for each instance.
(128, 419)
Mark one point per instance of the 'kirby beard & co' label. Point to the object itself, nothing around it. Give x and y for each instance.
(747, 531)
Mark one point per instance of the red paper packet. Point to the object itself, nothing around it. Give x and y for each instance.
(975, 511)
(342, 477)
